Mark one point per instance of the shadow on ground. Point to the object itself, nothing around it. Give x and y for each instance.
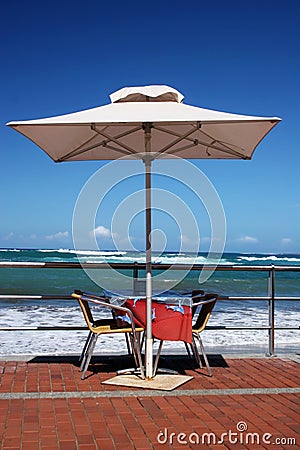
(107, 364)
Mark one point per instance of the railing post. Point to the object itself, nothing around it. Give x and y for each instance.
(135, 274)
(135, 270)
(271, 311)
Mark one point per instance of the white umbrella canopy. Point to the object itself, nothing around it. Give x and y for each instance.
(147, 122)
(118, 129)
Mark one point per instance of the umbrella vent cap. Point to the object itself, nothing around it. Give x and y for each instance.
(153, 93)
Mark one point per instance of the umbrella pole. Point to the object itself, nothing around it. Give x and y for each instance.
(149, 340)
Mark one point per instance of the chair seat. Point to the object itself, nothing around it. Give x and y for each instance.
(104, 322)
(108, 325)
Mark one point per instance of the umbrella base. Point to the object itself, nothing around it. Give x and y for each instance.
(138, 372)
(159, 382)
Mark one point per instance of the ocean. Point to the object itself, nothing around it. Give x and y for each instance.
(61, 282)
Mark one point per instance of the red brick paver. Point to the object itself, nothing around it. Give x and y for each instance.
(247, 404)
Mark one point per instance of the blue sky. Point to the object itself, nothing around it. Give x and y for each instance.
(230, 56)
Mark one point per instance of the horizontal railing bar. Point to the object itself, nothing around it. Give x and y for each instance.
(224, 327)
(44, 328)
(79, 328)
(142, 266)
(37, 297)
(260, 298)
(69, 297)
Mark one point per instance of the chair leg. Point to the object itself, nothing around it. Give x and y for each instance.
(142, 341)
(204, 355)
(86, 350)
(89, 355)
(139, 355)
(136, 346)
(85, 347)
(157, 357)
(127, 343)
(136, 352)
(188, 349)
(133, 348)
(196, 353)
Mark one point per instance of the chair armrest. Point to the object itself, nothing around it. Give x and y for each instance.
(78, 294)
(103, 301)
(212, 298)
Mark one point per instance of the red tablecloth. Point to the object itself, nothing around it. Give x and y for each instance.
(168, 324)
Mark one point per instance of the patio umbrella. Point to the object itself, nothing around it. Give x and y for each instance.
(147, 123)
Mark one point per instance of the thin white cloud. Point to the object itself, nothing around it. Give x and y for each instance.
(248, 239)
(60, 235)
(286, 241)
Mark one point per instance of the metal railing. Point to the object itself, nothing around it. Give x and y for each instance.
(271, 297)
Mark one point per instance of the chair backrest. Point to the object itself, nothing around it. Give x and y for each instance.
(87, 313)
(114, 325)
(209, 302)
(197, 295)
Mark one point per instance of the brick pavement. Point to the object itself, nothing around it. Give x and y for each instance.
(249, 403)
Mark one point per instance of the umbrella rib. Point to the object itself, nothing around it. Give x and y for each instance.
(227, 150)
(180, 138)
(197, 142)
(79, 150)
(173, 133)
(125, 133)
(115, 140)
(172, 152)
